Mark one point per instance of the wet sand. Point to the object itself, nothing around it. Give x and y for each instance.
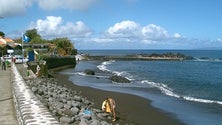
(130, 109)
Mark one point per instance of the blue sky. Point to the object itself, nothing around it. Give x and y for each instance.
(118, 24)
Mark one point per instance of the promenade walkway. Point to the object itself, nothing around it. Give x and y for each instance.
(7, 109)
(16, 99)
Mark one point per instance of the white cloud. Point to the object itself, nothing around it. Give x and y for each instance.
(154, 33)
(130, 34)
(177, 35)
(55, 27)
(14, 7)
(124, 29)
(101, 40)
(66, 4)
(219, 40)
(18, 7)
(132, 31)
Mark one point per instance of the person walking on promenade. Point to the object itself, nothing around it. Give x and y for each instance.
(3, 63)
(109, 106)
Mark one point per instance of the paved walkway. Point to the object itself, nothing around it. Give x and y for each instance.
(7, 110)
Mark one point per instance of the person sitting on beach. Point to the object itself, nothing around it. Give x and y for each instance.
(109, 106)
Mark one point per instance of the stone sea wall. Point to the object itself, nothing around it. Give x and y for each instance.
(28, 107)
(42, 101)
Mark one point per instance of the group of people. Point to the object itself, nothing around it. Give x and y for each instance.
(109, 106)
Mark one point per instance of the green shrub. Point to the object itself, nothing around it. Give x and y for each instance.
(43, 67)
(49, 63)
(54, 62)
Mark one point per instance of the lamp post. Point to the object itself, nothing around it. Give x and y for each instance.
(1, 17)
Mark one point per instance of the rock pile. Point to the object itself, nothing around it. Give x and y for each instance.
(68, 106)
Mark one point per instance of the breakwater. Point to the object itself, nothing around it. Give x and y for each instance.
(28, 107)
(149, 57)
(42, 101)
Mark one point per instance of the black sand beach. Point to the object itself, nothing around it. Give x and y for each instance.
(130, 109)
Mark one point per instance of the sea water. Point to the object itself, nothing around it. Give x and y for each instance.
(190, 90)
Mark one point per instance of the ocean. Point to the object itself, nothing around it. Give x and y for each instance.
(190, 90)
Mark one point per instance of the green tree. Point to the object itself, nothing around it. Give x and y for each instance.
(33, 35)
(37, 40)
(61, 46)
(2, 34)
(64, 46)
(18, 40)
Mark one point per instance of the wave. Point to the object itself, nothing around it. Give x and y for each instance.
(103, 67)
(202, 100)
(169, 91)
(83, 74)
(208, 59)
(164, 88)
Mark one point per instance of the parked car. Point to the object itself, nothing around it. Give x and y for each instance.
(8, 58)
(20, 59)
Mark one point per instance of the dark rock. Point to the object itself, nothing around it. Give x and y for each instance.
(119, 79)
(89, 72)
(83, 122)
(66, 119)
(68, 112)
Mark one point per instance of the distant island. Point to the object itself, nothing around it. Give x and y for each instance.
(153, 56)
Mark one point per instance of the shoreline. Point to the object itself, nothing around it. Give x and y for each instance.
(131, 109)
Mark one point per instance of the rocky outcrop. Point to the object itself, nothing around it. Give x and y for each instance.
(89, 72)
(119, 79)
(149, 57)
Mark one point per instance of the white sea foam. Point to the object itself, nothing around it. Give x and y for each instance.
(162, 87)
(168, 91)
(202, 100)
(103, 66)
(124, 74)
(208, 60)
(81, 73)
(74, 73)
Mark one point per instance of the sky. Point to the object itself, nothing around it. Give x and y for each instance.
(118, 24)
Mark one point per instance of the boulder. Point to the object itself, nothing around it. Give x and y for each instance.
(75, 110)
(89, 72)
(66, 119)
(119, 79)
